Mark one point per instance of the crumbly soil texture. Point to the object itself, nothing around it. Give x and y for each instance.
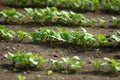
(51, 50)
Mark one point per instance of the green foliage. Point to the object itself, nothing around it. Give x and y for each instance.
(92, 5)
(23, 59)
(5, 33)
(116, 21)
(26, 59)
(49, 72)
(96, 4)
(92, 22)
(84, 38)
(102, 40)
(57, 64)
(101, 22)
(69, 63)
(45, 34)
(113, 5)
(20, 35)
(97, 64)
(62, 65)
(21, 77)
(113, 64)
(87, 38)
(73, 63)
(116, 37)
(75, 37)
(41, 62)
(51, 15)
(61, 36)
(11, 14)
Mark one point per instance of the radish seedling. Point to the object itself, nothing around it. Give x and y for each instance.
(41, 62)
(20, 35)
(5, 33)
(23, 59)
(21, 77)
(113, 64)
(116, 21)
(9, 15)
(92, 22)
(101, 22)
(65, 64)
(102, 40)
(116, 37)
(97, 64)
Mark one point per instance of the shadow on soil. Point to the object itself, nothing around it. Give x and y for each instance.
(109, 73)
(108, 48)
(17, 69)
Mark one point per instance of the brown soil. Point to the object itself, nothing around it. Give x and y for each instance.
(48, 51)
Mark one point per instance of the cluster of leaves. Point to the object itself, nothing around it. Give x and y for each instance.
(116, 22)
(84, 38)
(81, 4)
(62, 36)
(52, 16)
(25, 59)
(21, 77)
(116, 37)
(28, 59)
(6, 34)
(67, 64)
(47, 15)
(63, 65)
(114, 64)
(111, 5)
(10, 15)
(20, 36)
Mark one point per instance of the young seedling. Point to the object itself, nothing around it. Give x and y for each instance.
(102, 40)
(94, 5)
(92, 22)
(74, 35)
(20, 35)
(65, 64)
(73, 63)
(63, 34)
(22, 59)
(21, 77)
(116, 21)
(49, 72)
(9, 15)
(5, 33)
(87, 38)
(116, 37)
(113, 64)
(57, 64)
(97, 64)
(101, 22)
(41, 62)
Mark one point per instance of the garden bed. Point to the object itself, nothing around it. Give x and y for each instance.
(52, 50)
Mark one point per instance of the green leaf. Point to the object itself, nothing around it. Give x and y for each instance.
(116, 37)
(33, 61)
(20, 77)
(49, 72)
(76, 57)
(97, 64)
(29, 10)
(102, 39)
